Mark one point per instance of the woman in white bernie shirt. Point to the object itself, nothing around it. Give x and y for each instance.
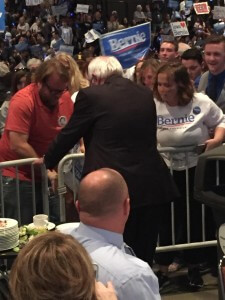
(184, 118)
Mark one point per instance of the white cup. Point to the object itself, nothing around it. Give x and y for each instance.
(40, 220)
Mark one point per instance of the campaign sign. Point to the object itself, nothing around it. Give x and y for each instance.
(60, 10)
(36, 51)
(82, 8)
(219, 12)
(2, 16)
(179, 28)
(67, 49)
(127, 45)
(173, 4)
(201, 8)
(33, 2)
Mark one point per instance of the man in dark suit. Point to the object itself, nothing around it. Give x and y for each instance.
(117, 120)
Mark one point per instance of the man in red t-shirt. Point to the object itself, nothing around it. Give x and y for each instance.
(36, 115)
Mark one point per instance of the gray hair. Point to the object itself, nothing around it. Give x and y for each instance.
(103, 67)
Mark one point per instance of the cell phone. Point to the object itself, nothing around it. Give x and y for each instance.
(200, 148)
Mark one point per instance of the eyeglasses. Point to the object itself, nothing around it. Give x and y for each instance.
(54, 91)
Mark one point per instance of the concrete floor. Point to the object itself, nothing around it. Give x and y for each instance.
(178, 290)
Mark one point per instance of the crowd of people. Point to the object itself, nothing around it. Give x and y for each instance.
(52, 102)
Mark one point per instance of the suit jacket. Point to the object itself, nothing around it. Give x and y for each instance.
(118, 123)
(202, 88)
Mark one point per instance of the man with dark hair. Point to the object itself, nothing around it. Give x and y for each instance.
(213, 81)
(36, 114)
(104, 207)
(168, 50)
(192, 60)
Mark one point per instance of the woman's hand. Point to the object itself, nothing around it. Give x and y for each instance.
(217, 140)
(105, 292)
(212, 143)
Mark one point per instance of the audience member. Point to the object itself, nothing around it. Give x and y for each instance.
(19, 81)
(35, 115)
(139, 15)
(104, 207)
(191, 116)
(168, 50)
(213, 81)
(55, 266)
(148, 71)
(193, 62)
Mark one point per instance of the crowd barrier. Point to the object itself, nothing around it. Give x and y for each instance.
(44, 184)
(221, 273)
(62, 191)
(189, 245)
(173, 246)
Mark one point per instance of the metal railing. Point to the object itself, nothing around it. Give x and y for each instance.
(189, 245)
(173, 246)
(62, 192)
(61, 181)
(44, 184)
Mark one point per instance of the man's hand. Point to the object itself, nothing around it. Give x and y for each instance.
(39, 161)
(53, 176)
(105, 292)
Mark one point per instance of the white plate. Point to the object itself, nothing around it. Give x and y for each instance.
(49, 227)
(67, 227)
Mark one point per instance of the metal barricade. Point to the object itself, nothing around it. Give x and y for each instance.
(61, 181)
(44, 183)
(173, 246)
(189, 245)
(221, 273)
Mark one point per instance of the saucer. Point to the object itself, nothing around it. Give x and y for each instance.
(50, 226)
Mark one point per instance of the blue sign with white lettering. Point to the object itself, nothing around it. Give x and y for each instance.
(127, 45)
(2, 16)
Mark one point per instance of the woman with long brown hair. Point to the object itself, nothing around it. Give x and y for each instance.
(184, 118)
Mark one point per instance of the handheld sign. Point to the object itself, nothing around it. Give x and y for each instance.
(33, 2)
(60, 10)
(2, 16)
(219, 12)
(127, 45)
(82, 8)
(201, 8)
(179, 28)
(67, 49)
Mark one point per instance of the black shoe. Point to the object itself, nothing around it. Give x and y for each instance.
(194, 278)
(163, 280)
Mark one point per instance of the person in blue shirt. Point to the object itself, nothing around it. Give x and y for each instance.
(104, 207)
(213, 81)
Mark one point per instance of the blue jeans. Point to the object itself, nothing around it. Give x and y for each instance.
(26, 205)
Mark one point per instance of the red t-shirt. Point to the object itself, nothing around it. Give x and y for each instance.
(27, 114)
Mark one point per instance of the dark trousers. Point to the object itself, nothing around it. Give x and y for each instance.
(26, 205)
(141, 231)
(192, 256)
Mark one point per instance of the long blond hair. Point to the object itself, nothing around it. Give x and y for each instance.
(77, 81)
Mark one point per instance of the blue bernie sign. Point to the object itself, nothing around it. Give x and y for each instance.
(2, 16)
(127, 45)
